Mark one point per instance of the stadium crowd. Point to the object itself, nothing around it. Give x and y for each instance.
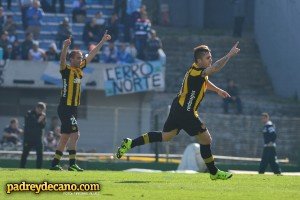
(129, 25)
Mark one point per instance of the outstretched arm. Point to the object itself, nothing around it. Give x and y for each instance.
(94, 52)
(63, 54)
(218, 65)
(219, 91)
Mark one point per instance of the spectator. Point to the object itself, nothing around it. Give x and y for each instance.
(79, 11)
(12, 133)
(61, 6)
(34, 16)
(137, 14)
(25, 4)
(239, 17)
(64, 31)
(57, 132)
(16, 51)
(50, 141)
(4, 44)
(2, 19)
(153, 45)
(110, 53)
(91, 32)
(131, 6)
(52, 53)
(54, 123)
(26, 45)
(100, 21)
(124, 56)
(36, 53)
(232, 89)
(113, 27)
(120, 9)
(142, 29)
(11, 27)
(35, 121)
(8, 4)
(132, 50)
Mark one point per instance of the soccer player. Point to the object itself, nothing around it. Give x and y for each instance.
(183, 113)
(70, 100)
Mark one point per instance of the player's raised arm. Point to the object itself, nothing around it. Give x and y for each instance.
(94, 52)
(219, 91)
(64, 51)
(219, 64)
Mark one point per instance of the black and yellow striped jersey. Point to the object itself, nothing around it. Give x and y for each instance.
(71, 80)
(193, 89)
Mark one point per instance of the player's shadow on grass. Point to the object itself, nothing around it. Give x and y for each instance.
(133, 182)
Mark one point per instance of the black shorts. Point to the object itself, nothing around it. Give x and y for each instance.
(68, 118)
(179, 119)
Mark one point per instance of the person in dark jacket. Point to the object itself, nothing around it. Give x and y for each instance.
(269, 152)
(35, 121)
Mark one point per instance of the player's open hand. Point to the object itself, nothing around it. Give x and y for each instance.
(67, 42)
(223, 94)
(106, 36)
(235, 50)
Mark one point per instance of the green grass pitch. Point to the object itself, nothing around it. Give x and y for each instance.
(135, 185)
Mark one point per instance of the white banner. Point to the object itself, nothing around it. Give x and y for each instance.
(132, 78)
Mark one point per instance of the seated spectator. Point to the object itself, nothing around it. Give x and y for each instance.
(110, 53)
(34, 19)
(91, 33)
(153, 45)
(50, 141)
(141, 31)
(100, 21)
(113, 27)
(26, 46)
(11, 27)
(4, 44)
(36, 53)
(64, 31)
(8, 4)
(16, 51)
(52, 53)
(79, 11)
(124, 56)
(234, 93)
(2, 19)
(12, 133)
(132, 50)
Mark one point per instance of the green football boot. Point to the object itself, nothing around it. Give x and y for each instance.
(125, 146)
(221, 175)
(75, 168)
(56, 168)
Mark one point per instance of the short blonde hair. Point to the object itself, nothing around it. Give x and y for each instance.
(264, 114)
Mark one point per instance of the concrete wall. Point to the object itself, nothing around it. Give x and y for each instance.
(277, 28)
(187, 13)
(214, 14)
(219, 14)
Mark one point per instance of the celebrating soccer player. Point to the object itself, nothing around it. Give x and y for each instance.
(70, 100)
(183, 113)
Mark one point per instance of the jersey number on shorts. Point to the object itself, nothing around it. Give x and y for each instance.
(73, 121)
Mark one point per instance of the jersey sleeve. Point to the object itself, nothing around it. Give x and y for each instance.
(65, 68)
